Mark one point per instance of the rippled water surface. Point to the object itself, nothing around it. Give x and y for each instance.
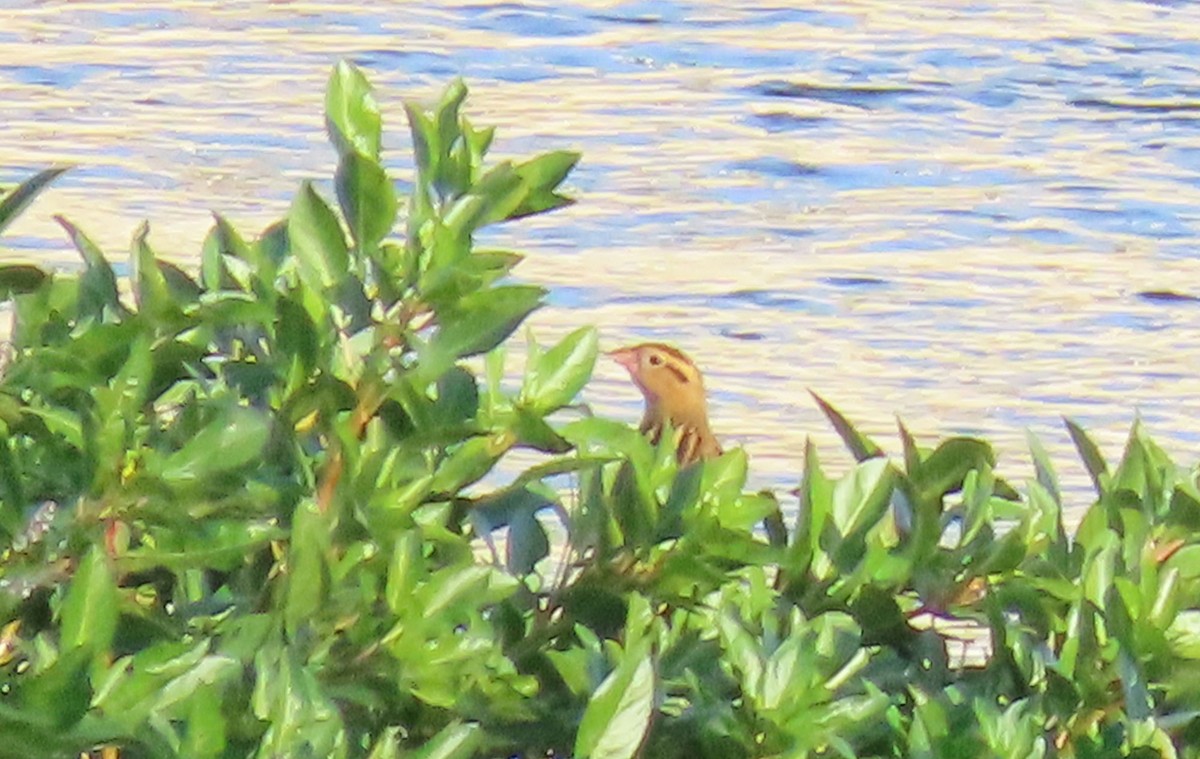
(945, 210)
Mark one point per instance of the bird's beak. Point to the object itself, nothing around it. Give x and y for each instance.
(626, 357)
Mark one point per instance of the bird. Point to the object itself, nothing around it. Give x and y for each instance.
(674, 392)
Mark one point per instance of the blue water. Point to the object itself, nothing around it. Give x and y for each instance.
(980, 216)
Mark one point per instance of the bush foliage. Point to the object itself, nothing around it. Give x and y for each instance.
(244, 516)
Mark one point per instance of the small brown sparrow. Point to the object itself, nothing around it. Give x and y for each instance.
(674, 393)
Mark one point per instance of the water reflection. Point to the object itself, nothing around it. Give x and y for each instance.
(961, 213)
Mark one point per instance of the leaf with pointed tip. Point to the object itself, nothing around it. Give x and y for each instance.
(351, 113)
(16, 200)
(542, 175)
(89, 613)
(862, 497)
(478, 323)
(98, 285)
(59, 695)
(367, 198)
(1046, 475)
(182, 288)
(452, 176)
(317, 240)
(1093, 461)
(239, 435)
(150, 290)
(861, 446)
(557, 376)
(458, 740)
(618, 715)
(944, 469)
(912, 453)
(222, 240)
(425, 145)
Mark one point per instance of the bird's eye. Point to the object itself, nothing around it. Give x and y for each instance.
(655, 359)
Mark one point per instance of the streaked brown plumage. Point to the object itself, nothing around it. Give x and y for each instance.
(674, 393)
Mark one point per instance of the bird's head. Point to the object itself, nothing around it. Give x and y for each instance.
(669, 381)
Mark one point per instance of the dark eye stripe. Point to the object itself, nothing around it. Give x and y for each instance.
(679, 374)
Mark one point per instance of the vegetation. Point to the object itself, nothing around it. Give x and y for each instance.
(244, 517)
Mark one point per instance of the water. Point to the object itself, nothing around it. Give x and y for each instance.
(945, 210)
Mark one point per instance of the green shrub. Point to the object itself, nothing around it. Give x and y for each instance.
(245, 516)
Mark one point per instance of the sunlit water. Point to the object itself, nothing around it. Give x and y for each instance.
(942, 210)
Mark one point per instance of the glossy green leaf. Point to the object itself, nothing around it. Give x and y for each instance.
(206, 728)
(316, 239)
(89, 614)
(308, 574)
(860, 446)
(229, 442)
(618, 715)
(542, 175)
(561, 372)
(1093, 461)
(457, 740)
(150, 290)
(944, 469)
(405, 569)
(351, 113)
(59, 695)
(861, 498)
(466, 465)
(367, 198)
(480, 322)
(98, 285)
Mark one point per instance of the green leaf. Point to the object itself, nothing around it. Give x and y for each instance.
(18, 279)
(206, 729)
(1044, 467)
(861, 446)
(618, 715)
(495, 197)
(60, 694)
(367, 198)
(527, 543)
(479, 323)
(308, 572)
(425, 146)
(862, 497)
(89, 614)
(467, 464)
(351, 113)
(297, 335)
(222, 240)
(816, 501)
(317, 241)
(944, 469)
(233, 440)
(457, 740)
(405, 570)
(150, 290)
(98, 285)
(541, 176)
(560, 373)
(451, 178)
(1184, 634)
(19, 198)
(183, 290)
(1093, 461)
(387, 744)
